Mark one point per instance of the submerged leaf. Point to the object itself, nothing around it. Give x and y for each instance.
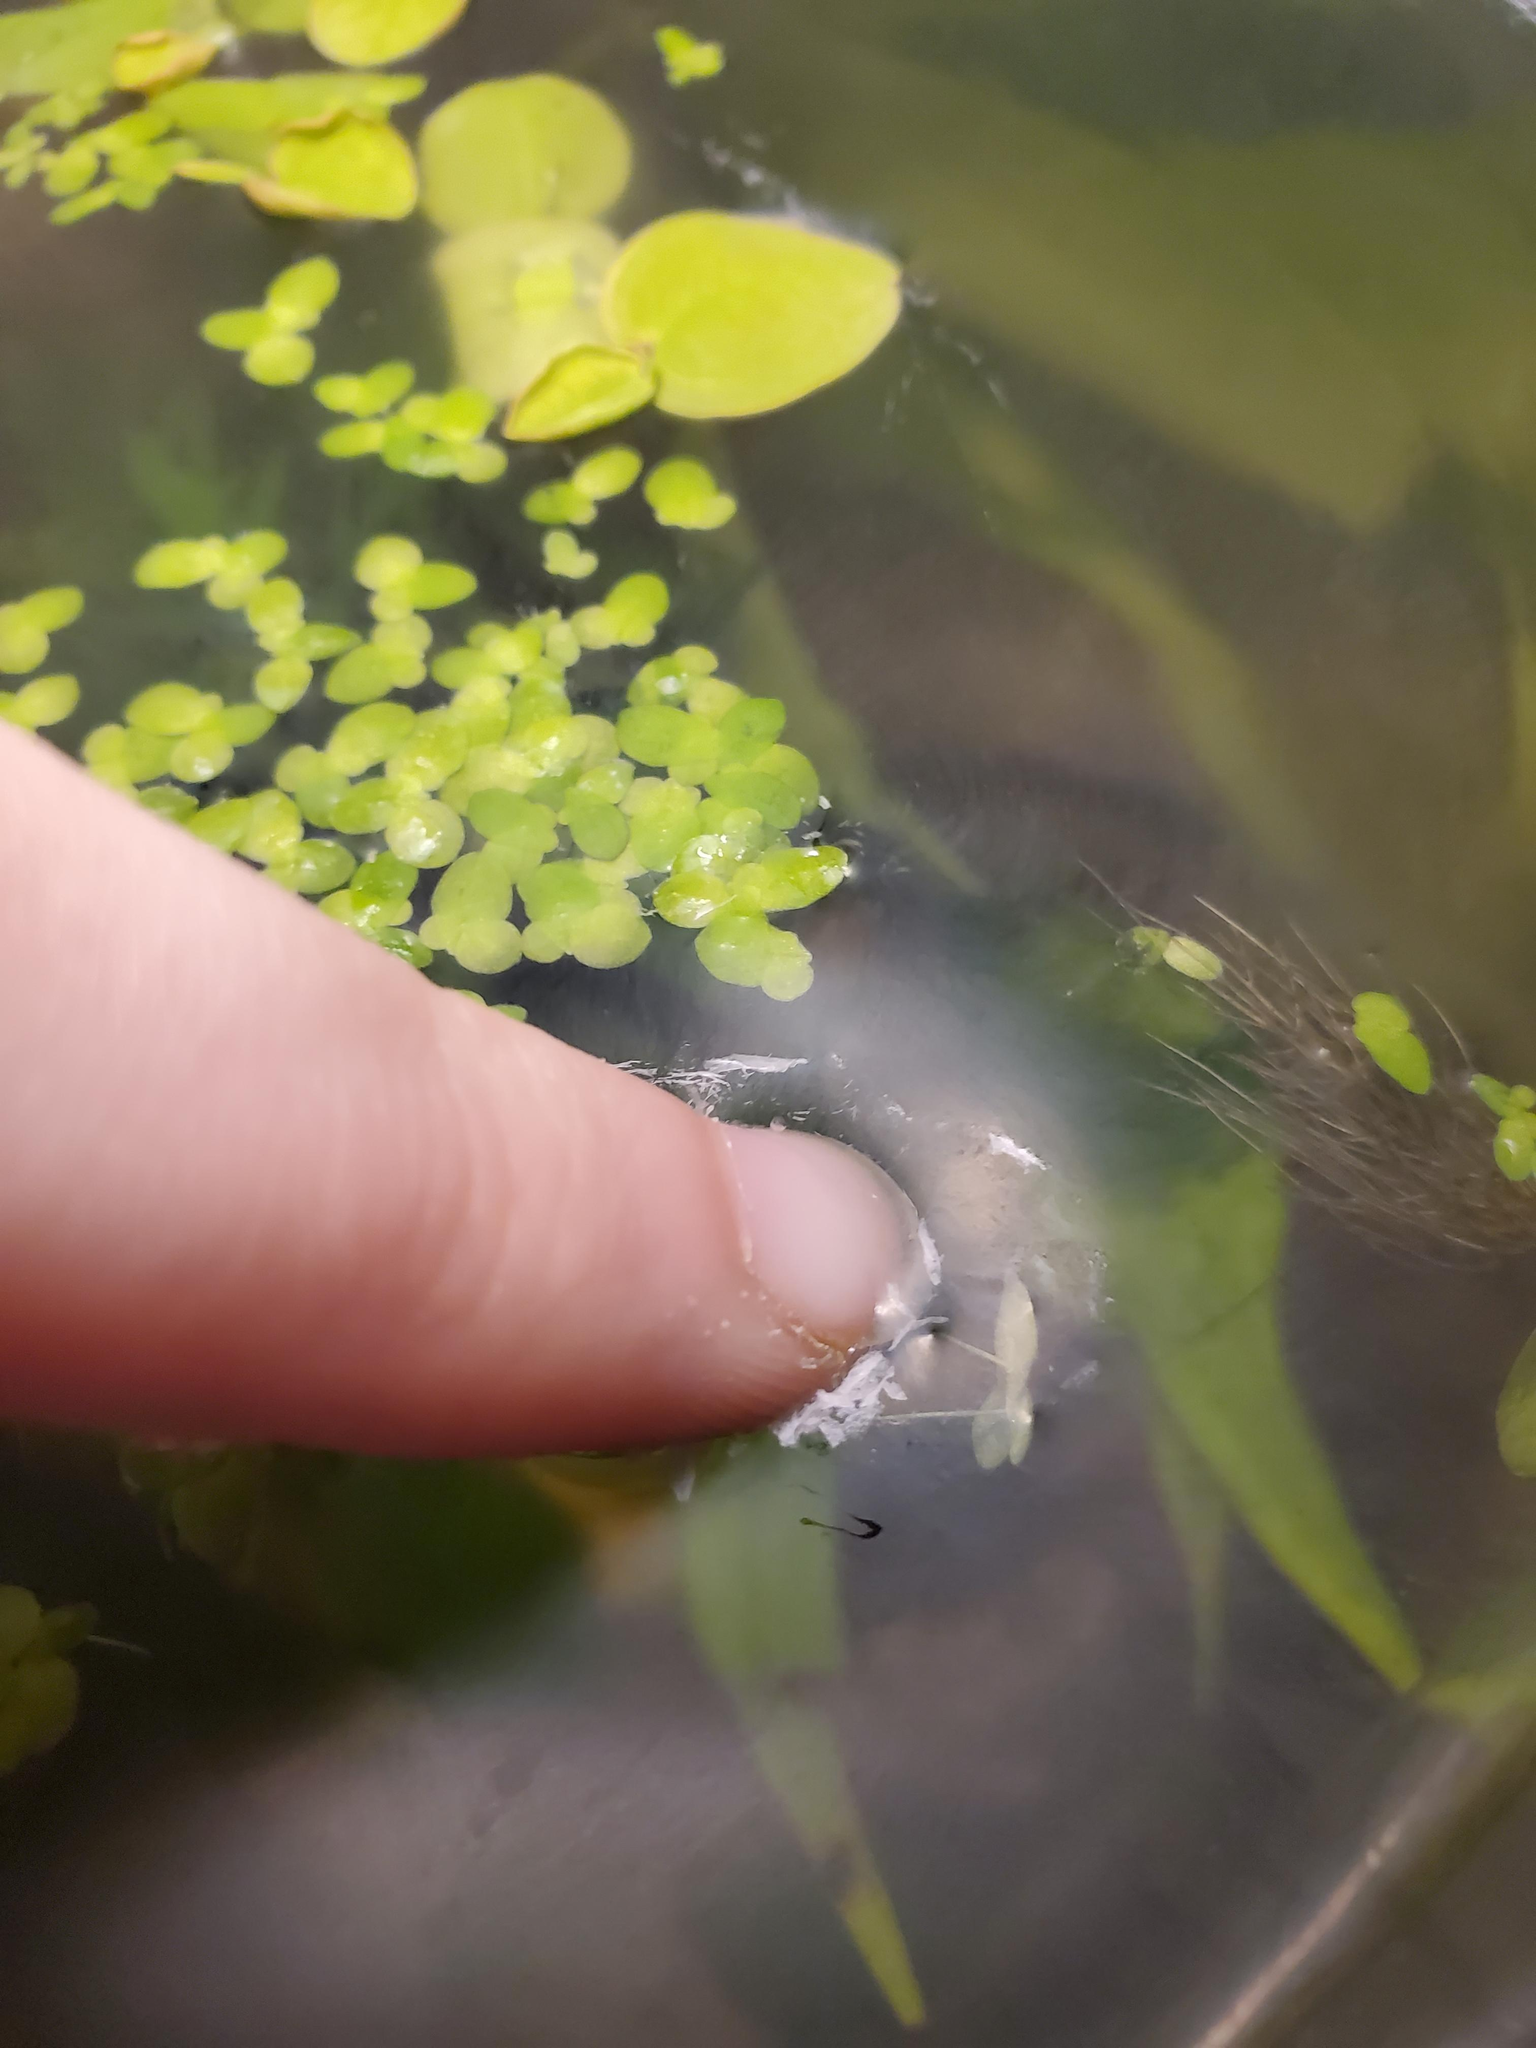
(363, 32)
(1194, 1273)
(581, 390)
(1516, 1415)
(744, 315)
(761, 1586)
(513, 149)
(507, 318)
(1201, 1522)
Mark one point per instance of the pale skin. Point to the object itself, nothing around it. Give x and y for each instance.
(264, 1182)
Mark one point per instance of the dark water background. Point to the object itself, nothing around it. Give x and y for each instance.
(552, 1833)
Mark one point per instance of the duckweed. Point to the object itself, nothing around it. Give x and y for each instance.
(682, 492)
(1385, 1029)
(687, 59)
(28, 624)
(271, 338)
(565, 556)
(39, 1688)
(46, 700)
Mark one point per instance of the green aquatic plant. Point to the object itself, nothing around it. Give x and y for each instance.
(272, 339)
(564, 555)
(365, 32)
(760, 1582)
(685, 58)
(742, 316)
(1385, 1029)
(509, 791)
(521, 149)
(422, 433)
(39, 1687)
(27, 626)
(682, 492)
(1183, 954)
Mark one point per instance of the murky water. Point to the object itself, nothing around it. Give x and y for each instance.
(1179, 547)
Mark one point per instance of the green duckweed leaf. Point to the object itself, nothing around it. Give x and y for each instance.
(635, 606)
(46, 700)
(299, 295)
(425, 832)
(363, 32)
(1516, 1414)
(369, 672)
(1514, 1145)
(585, 388)
(237, 330)
(607, 474)
(171, 709)
(513, 149)
(741, 315)
(1193, 1273)
(1495, 1095)
(177, 564)
(743, 948)
(1386, 1031)
(436, 584)
(282, 681)
(1189, 958)
(681, 492)
(39, 1699)
(279, 359)
(350, 169)
(357, 437)
(565, 556)
(685, 58)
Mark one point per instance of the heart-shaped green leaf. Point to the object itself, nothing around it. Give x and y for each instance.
(742, 315)
(513, 149)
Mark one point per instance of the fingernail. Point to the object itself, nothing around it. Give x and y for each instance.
(827, 1235)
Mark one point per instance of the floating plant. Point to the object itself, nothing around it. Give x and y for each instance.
(685, 58)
